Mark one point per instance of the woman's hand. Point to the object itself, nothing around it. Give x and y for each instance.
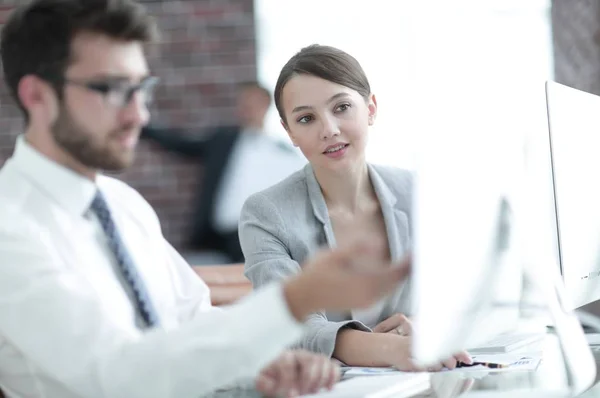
(398, 324)
(401, 358)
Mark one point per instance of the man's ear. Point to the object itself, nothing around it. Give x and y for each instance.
(38, 98)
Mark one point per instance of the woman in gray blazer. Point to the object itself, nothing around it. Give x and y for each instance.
(326, 106)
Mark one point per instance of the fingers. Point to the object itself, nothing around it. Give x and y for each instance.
(410, 366)
(324, 373)
(330, 375)
(385, 280)
(389, 324)
(404, 267)
(335, 374)
(353, 255)
(267, 385)
(435, 368)
(397, 323)
(407, 365)
(406, 262)
(347, 278)
(450, 363)
(279, 378)
(310, 375)
(405, 361)
(318, 372)
(288, 375)
(464, 356)
(372, 284)
(407, 327)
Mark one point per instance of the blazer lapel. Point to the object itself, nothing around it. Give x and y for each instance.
(397, 228)
(319, 206)
(396, 220)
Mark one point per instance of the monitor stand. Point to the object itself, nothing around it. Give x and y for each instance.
(580, 365)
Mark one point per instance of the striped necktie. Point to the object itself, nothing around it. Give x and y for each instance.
(124, 260)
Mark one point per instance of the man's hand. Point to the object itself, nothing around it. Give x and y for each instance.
(297, 372)
(398, 324)
(343, 279)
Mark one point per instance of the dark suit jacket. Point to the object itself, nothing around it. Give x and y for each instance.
(213, 149)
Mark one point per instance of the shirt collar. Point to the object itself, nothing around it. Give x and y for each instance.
(69, 189)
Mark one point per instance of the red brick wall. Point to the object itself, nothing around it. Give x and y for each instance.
(207, 47)
(576, 37)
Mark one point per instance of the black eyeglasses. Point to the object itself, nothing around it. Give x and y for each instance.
(118, 93)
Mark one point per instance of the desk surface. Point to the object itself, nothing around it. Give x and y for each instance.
(550, 375)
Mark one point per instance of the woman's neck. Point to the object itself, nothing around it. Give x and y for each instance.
(349, 190)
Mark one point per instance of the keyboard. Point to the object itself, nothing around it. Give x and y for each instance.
(507, 342)
(593, 338)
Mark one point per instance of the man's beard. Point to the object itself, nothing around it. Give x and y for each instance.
(87, 150)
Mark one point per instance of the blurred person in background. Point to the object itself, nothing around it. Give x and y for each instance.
(237, 161)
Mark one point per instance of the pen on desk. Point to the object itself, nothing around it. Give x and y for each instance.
(490, 365)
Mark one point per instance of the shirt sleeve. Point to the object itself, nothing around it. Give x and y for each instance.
(53, 316)
(192, 294)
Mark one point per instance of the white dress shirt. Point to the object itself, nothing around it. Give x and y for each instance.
(67, 325)
(257, 162)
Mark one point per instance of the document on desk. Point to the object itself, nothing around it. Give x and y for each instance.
(397, 385)
(508, 363)
(355, 371)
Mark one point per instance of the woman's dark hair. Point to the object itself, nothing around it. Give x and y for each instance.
(327, 63)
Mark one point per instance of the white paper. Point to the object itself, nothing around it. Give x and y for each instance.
(366, 371)
(398, 384)
(514, 362)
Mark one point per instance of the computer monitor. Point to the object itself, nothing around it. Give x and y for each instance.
(471, 226)
(463, 251)
(574, 131)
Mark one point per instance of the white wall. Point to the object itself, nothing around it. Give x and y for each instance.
(434, 61)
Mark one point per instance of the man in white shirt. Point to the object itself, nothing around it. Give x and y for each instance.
(93, 301)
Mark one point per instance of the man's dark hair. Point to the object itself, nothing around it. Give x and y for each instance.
(256, 86)
(36, 39)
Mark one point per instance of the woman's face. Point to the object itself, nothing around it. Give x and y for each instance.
(327, 121)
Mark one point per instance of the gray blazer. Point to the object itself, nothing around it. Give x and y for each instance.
(284, 225)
